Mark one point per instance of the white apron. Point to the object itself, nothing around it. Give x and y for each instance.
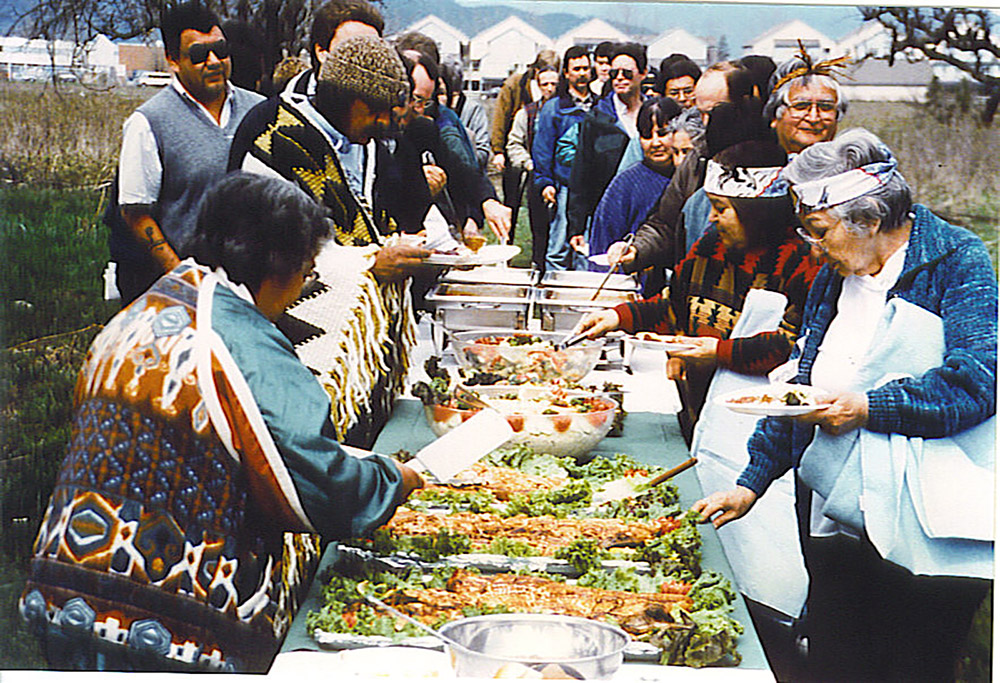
(926, 504)
(763, 548)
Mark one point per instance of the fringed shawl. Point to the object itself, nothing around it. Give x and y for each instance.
(357, 331)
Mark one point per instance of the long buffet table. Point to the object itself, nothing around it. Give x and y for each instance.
(651, 435)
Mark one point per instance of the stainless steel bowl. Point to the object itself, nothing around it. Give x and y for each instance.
(498, 645)
(528, 362)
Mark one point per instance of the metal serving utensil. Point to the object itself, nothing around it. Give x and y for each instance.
(406, 617)
(629, 238)
(620, 489)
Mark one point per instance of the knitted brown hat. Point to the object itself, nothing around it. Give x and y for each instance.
(368, 67)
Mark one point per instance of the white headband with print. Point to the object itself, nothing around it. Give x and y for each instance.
(817, 195)
(741, 181)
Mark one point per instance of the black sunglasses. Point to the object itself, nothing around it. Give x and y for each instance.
(198, 52)
(626, 73)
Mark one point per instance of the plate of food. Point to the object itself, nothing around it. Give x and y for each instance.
(487, 255)
(659, 342)
(774, 400)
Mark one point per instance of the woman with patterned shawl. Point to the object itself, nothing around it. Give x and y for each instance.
(199, 439)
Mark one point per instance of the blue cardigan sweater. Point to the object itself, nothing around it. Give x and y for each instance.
(947, 272)
(624, 206)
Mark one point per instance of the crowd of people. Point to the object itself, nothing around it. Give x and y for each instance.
(224, 419)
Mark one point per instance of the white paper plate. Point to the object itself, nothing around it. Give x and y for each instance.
(653, 345)
(599, 260)
(775, 409)
(489, 254)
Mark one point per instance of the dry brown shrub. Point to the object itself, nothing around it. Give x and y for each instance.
(954, 167)
(64, 137)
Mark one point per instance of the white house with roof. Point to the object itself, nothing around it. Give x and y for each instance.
(590, 33)
(677, 40)
(450, 40)
(781, 42)
(504, 48)
(873, 80)
(27, 59)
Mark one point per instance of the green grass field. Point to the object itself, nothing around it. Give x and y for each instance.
(54, 251)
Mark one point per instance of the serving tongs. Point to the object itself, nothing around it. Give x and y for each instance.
(465, 395)
(570, 340)
(381, 604)
(629, 238)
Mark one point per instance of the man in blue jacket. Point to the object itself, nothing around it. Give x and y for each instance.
(603, 137)
(557, 118)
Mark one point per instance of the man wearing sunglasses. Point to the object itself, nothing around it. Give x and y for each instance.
(174, 147)
(604, 135)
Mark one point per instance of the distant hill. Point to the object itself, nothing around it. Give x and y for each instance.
(471, 20)
(739, 22)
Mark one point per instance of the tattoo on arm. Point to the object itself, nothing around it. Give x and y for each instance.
(153, 244)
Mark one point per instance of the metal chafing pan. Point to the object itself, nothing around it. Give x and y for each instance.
(470, 306)
(562, 307)
(493, 275)
(582, 278)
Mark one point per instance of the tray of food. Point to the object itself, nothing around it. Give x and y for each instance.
(775, 400)
(548, 420)
(674, 610)
(582, 296)
(475, 291)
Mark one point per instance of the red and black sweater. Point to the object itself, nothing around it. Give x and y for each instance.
(706, 295)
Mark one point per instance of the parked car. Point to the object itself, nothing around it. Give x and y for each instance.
(156, 79)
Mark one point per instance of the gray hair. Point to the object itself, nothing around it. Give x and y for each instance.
(690, 122)
(777, 101)
(890, 204)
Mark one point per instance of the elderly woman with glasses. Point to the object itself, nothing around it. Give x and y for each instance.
(199, 440)
(895, 470)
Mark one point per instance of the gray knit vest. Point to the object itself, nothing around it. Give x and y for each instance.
(194, 153)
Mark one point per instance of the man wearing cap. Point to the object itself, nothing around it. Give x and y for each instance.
(354, 329)
(173, 147)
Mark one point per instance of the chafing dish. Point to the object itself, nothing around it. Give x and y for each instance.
(493, 275)
(473, 306)
(582, 278)
(562, 307)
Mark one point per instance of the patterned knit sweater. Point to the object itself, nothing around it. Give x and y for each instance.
(706, 297)
(947, 272)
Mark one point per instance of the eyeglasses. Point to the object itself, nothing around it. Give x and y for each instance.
(624, 73)
(680, 92)
(802, 107)
(198, 52)
(810, 240)
(420, 101)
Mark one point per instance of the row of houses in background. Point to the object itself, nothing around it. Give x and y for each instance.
(491, 55)
(510, 45)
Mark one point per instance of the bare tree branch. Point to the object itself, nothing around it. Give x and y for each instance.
(962, 38)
